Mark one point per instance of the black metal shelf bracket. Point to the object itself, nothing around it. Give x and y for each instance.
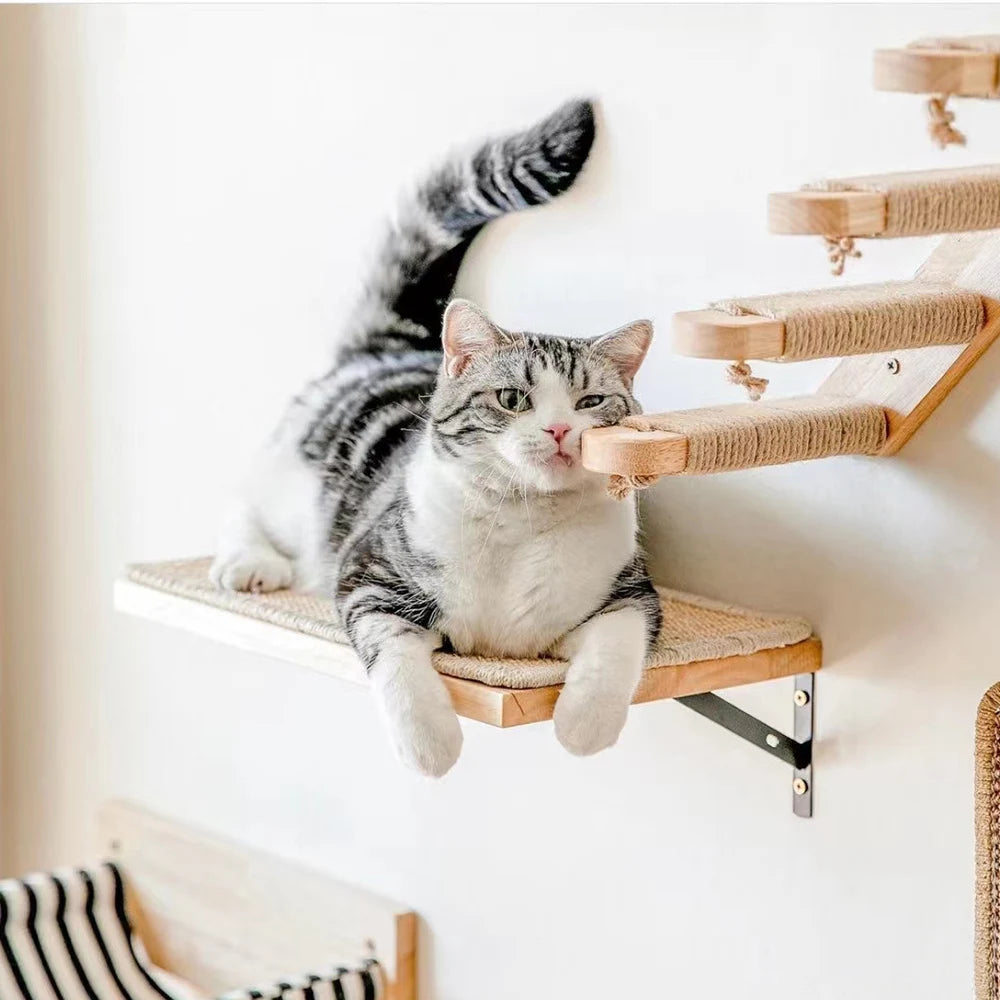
(795, 751)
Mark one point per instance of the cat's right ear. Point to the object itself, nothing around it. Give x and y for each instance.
(467, 331)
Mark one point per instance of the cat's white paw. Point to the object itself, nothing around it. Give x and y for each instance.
(587, 722)
(257, 569)
(428, 739)
(421, 720)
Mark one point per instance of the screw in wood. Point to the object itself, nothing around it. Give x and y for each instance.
(799, 786)
(893, 365)
(801, 698)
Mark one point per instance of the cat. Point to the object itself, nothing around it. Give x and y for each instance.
(431, 481)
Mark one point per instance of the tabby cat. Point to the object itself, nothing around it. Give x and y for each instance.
(431, 481)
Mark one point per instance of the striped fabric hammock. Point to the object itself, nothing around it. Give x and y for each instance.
(66, 935)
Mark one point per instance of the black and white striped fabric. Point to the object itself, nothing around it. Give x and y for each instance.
(66, 936)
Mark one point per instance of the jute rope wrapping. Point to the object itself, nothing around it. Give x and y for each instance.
(748, 435)
(988, 846)
(867, 319)
(694, 628)
(923, 202)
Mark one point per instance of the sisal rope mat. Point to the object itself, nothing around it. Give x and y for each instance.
(867, 319)
(748, 435)
(694, 628)
(923, 202)
(988, 846)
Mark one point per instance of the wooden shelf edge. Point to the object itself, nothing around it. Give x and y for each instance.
(626, 451)
(720, 336)
(963, 72)
(827, 213)
(530, 705)
(499, 707)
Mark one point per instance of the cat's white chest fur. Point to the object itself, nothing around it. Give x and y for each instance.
(517, 574)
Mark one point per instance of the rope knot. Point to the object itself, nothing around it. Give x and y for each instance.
(838, 249)
(739, 373)
(940, 123)
(621, 486)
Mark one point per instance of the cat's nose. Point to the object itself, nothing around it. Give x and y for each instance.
(558, 431)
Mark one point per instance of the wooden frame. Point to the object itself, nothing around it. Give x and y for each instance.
(495, 706)
(219, 915)
(827, 213)
(963, 72)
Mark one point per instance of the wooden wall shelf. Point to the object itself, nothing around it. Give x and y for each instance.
(495, 706)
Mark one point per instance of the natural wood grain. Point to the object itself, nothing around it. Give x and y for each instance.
(627, 452)
(222, 916)
(937, 71)
(827, 213)
(501, 707)
(712, 333)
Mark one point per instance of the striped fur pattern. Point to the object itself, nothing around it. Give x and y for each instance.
(66, 935)
(432, 481)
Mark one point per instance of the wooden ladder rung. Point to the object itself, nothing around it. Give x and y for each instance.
(963, 72)
(827, 213)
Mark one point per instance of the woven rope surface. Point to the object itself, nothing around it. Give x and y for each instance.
(694, 628)
(988, 846)
(867, 319)
(922, 202)
(747, 435)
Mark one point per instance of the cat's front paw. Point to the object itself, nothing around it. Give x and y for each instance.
(422, 723)
(430, 745)
(588, 722)
(258, 570)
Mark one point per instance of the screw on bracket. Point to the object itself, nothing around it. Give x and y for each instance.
(800, 786)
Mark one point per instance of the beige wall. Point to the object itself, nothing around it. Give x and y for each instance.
(186, 197)
(53, 609)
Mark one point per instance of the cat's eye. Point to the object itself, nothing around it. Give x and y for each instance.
(514, 400)
(589, 402)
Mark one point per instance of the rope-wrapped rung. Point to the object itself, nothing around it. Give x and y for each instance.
(737, 436)
(831, 322)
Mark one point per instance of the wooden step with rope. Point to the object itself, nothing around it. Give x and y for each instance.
(885, 206)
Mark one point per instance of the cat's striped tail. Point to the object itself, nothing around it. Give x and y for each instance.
(420, 255)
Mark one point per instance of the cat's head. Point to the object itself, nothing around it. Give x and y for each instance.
(516, 404)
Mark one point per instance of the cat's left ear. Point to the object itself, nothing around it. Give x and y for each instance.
(626, 347)
(467, 331)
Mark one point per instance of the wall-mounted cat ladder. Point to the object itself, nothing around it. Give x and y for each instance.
(905, 346)
(942, 68)
(704, 646)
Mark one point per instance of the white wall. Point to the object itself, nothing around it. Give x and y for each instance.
(195, 188)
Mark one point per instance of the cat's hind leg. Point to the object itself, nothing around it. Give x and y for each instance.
(273, 537)
(247, 559)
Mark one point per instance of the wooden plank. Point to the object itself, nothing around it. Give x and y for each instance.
(827, 213)
(937, 71)
(518, 708)
(718, 335)
(222, 916)
(239, 631)
(626, 452)
(494, 706)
